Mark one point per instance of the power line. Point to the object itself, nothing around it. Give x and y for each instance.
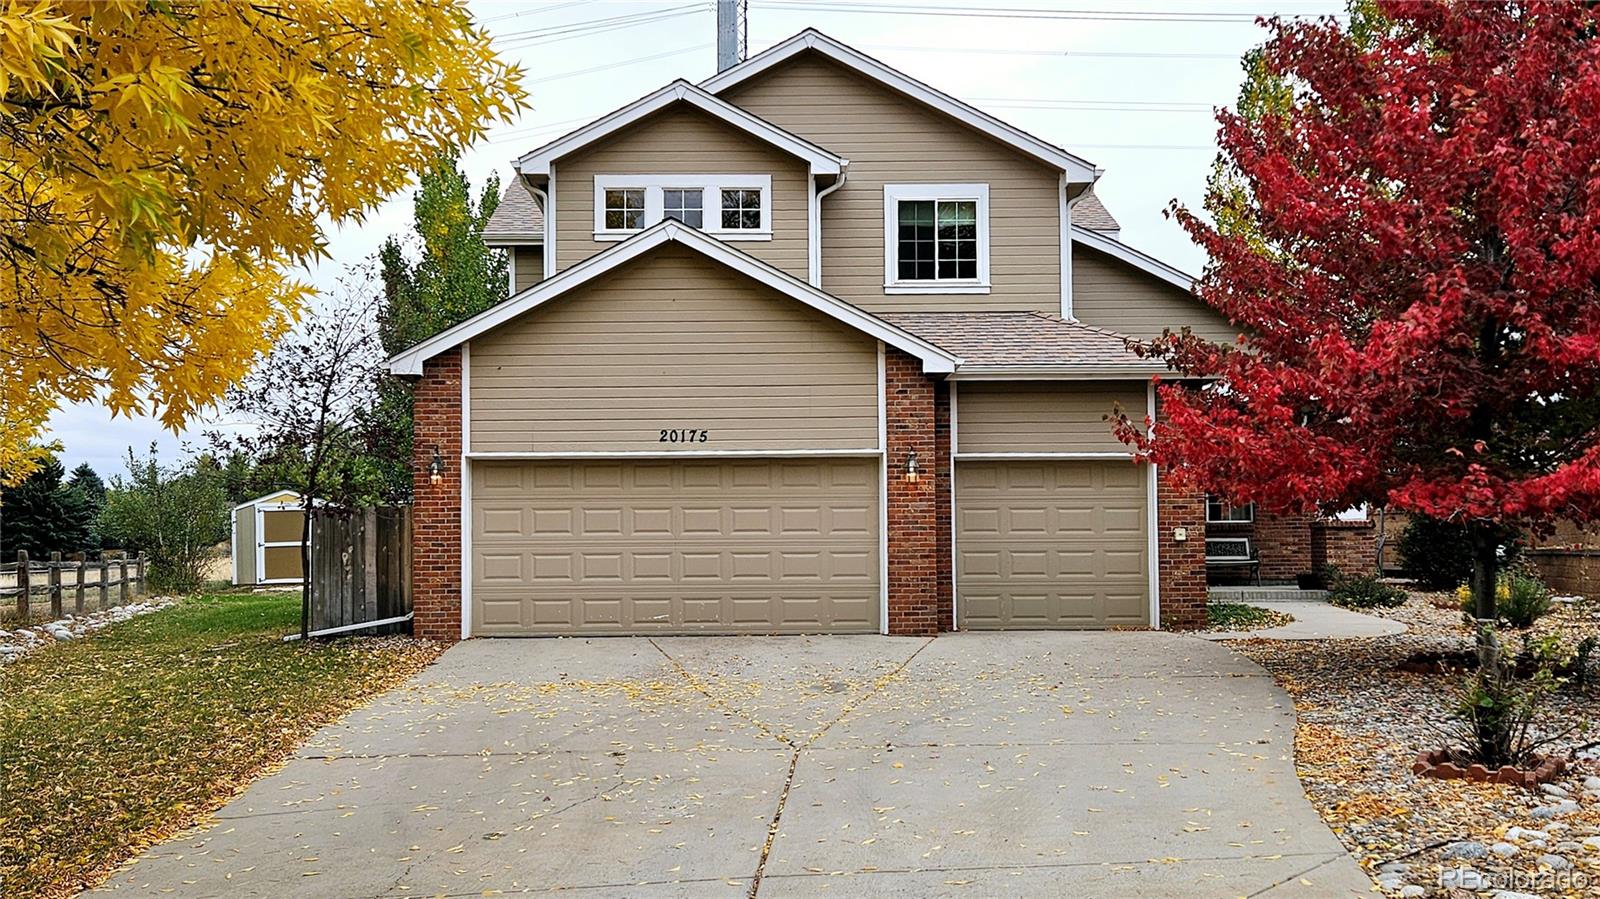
(1063, 54)
(539, 37)
(617, 65)
(879, 8)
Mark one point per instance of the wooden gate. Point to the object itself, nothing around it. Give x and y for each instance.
(360, 567)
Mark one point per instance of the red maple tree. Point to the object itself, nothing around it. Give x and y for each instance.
(1410, 240)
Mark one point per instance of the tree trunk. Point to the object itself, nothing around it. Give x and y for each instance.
(1485, 539)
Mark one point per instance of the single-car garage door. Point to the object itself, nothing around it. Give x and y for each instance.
(614, 547)
(1051, 544)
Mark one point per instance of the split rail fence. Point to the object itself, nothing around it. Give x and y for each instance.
(74, 576)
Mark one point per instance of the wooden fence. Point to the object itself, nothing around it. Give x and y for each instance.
(75, 575)
(360, 567)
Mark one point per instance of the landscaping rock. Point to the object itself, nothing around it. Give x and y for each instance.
(1393, 868)
(1412, 891)
(1510, 894)
(1525, 833)
(1462, 879)
(1466, 849)
(1553, 790)
(1592, 844)
(1554, 862)
(1504, 850)
(1592, 782)
(22, 641)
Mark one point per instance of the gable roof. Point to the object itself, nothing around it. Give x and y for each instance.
(680, 91)
(1136, 258)
(1013, 344)
(1078, 170)
(1090, 213)
(518, 218)
(934, 359)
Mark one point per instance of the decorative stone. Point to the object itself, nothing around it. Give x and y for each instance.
(1466, 849)
(1553, 790)
(1554, 862)
(1504, 850)
(1398, 867)
(1512, 894)
(1592, 782)
(1412, 891)
(1525, 833)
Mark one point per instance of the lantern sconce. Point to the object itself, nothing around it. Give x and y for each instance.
(436, 467)
(911, 467)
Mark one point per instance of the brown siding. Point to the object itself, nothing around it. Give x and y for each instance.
(1043, 417)
(683, 140)
(890, 138)
(528, 266)
(1112, 294)
(673, 340)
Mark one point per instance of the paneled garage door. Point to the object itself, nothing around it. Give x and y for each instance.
(747, 546)
(1045, 544)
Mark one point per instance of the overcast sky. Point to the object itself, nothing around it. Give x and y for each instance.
(1128, 85)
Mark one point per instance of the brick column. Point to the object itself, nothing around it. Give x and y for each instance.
(436, 508)
(1283, 541)
(913, 506)
(942, 511)
(1183, 564)
(1350, 546)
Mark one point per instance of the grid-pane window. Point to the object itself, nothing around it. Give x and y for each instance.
(741, 210)
(1220, 511)
(916, 260)
(684, 205)
(625, 209)
(938, 240)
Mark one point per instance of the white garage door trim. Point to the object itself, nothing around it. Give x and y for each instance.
(1152, 501)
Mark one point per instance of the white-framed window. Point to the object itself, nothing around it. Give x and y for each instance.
(936, 238)
(732, 207)
(1220, 511)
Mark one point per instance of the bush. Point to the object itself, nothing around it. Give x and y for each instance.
(1520, 599)
(1362, 591)
(1498, 711)
(1438, 554)
(175, 516)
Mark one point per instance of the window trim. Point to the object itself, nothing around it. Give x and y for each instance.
(892, 195)
(1209, 520)
(710, 186)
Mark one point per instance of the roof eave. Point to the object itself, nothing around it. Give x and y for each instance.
(1056, 372)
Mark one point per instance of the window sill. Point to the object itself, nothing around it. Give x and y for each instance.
(614, 236)
(925, 287)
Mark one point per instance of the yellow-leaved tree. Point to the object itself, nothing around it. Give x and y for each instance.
(162, 163)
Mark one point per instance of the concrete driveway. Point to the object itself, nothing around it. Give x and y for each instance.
(969, 765)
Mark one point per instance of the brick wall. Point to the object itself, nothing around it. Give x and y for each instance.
(914, 564)
(1283, 542)
(436, 509)
(943, 497)
(1183, 564)
(1350, 546)
(1573, 572)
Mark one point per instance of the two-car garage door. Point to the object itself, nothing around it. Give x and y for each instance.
(675, 546)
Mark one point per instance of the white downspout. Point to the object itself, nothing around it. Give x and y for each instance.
(548, 245)
(816, 239)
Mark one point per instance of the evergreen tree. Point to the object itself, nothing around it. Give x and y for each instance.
(42, 515)
(85, 483)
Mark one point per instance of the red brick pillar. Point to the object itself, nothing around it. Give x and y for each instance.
(913, 505)
(1183, 562)
(943, 511)
(1283, 541)
(436, 508)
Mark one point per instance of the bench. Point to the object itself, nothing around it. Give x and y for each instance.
(1233, 552)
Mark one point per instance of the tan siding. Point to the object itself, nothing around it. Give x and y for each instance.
(244, 548)
(683, 140)
(528, 264)
(1043, 416)
(1110, 293)
(889, 138)
(673, 340)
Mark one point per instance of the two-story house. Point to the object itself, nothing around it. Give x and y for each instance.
(807, 347)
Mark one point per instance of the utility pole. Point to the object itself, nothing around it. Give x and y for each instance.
(732, 32)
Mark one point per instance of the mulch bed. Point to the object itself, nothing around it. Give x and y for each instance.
(1363, 723)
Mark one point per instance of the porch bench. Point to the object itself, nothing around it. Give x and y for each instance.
(1231, 553)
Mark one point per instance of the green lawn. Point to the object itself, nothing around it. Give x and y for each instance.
(110, 744)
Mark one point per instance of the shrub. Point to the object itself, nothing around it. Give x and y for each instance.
(173, 515)
(1435, 553)
(1520, 599)
(1362, 591)
(1497, 713)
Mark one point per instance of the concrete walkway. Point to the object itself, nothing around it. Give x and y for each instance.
(1108, 764)
(1315, 621)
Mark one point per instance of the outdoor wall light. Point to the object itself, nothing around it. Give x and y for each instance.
(436, 467)
(911, 466)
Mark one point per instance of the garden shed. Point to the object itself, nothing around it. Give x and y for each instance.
(266, 539)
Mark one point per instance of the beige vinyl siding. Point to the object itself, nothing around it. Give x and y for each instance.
(527, 266)
(673, 341)
(1043, 416)
(683, 140)
(1112, 294)
(891, 139)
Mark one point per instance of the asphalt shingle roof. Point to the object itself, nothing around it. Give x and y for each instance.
(518, 216)
(985, 339)
(1092, 214)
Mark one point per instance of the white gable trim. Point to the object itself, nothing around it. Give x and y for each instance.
(1142, 261)
(821, 161)
(1076, 168)
(274, 495)
(934, 359)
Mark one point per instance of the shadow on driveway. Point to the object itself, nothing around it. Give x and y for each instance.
(1102, 764)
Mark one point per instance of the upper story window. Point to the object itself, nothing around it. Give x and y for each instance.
(732, 207)
(1220, 511)
(936, 238)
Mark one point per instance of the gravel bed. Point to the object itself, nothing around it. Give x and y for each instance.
(1361, 724)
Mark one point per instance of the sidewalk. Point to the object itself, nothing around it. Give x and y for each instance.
(1315, 621)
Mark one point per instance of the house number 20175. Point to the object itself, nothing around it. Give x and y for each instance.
(684, 435)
